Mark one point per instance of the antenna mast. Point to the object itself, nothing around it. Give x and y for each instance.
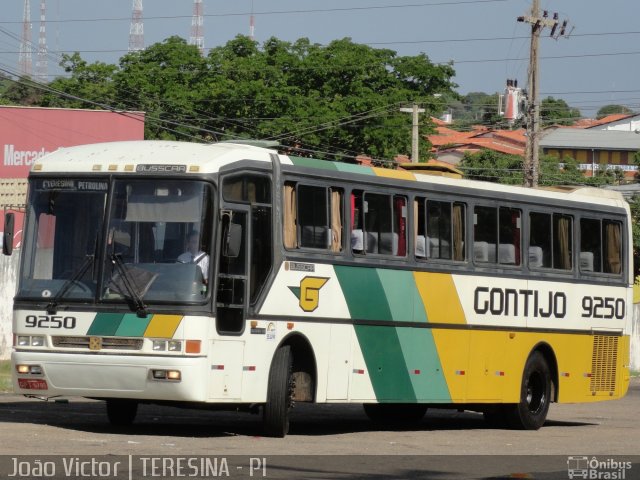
(136, 30)
(197, 26)
(42, 63)
(252, 24)
(24, 60)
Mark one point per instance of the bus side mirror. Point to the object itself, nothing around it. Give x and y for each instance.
(232, 240)
(7, 237)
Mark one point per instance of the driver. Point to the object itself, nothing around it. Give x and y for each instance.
(195, 255)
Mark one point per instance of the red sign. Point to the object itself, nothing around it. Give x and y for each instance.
(26, 133)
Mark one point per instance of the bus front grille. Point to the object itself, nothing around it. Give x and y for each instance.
(106, 343)
(603, 364)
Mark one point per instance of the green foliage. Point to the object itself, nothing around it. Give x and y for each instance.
(343, 98)
(22, 92)
(634, 205)
(492, 166)
(555, 111)
(612, 109)
(90, 85)
(476, 108)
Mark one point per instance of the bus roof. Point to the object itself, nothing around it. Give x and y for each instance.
(114, 157)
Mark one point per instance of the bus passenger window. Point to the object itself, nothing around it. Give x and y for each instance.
(510, 236)
(445, 230)
(378, 224)
(550, 241)
(485, 234)
(312, 217)
(600, 246)
(539, 240)
(562, 242)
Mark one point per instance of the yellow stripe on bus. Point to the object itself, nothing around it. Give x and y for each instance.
(163, 326)
(397, 174)
(440, 297)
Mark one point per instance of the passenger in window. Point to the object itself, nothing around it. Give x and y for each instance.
(195, 255)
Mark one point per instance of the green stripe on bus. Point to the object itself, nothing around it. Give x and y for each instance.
(105, 324)
(351, 168)
(423, 363)
(133, 326)
(363, 291)
(313, 163)
(386, 366)
(403, 297)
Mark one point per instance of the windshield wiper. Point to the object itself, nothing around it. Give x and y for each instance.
(84, 266)
(130, 285)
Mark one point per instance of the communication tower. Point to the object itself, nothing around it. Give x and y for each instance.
(197, 26)
(42, 63)
(136, 30)
(24, 60)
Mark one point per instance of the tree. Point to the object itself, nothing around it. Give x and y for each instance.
(612, 109)
(476, 108)
(165, 80)
(558, 112)
(89, 86)
(22, 92)
(491, 166)
(342, 98)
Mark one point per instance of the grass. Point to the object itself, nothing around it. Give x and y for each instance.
(5, 376)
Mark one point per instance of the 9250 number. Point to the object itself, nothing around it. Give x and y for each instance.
(603, 307)
(49, 321)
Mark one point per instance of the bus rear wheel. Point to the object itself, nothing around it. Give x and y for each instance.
(394, 413)
(535, 395)
(121, 413)
(275, 414)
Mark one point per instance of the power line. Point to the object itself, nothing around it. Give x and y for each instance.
(279, 12)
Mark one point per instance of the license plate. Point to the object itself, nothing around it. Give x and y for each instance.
(32, 384)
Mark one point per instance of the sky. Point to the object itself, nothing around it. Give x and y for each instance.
(598, 64)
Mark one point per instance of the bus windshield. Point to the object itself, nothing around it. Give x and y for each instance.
(158, 241)
(61, 246)
(150, 242)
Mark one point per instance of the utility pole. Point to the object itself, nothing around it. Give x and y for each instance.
(414, 110)
(538, 23)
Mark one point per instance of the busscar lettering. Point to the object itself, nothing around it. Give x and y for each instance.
(512, 302)
(156, 168)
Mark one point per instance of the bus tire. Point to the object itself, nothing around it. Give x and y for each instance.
(535, 395)
(395, 413)
(121, 413)
(496, 417)
(275, 414)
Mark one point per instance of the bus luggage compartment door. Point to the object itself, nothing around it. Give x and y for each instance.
(226, 360)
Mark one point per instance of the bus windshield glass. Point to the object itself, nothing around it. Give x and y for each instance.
(158, 242)
(60, 252)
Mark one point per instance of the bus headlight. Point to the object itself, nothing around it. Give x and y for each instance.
(169, 375)
(33, 341)
(159, 345)
(175, 346)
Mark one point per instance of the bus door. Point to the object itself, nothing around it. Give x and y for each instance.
(227, 350)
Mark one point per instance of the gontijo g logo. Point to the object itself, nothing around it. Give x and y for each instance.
(308, 293)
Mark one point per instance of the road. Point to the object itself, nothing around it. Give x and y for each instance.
(446, 442)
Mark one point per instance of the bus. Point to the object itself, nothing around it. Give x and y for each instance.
(324, 282)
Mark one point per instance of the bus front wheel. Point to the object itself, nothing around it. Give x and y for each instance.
(121, 413)
(535, 395)
(275, 414)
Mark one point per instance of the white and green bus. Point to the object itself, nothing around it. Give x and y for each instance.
(314, 281)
